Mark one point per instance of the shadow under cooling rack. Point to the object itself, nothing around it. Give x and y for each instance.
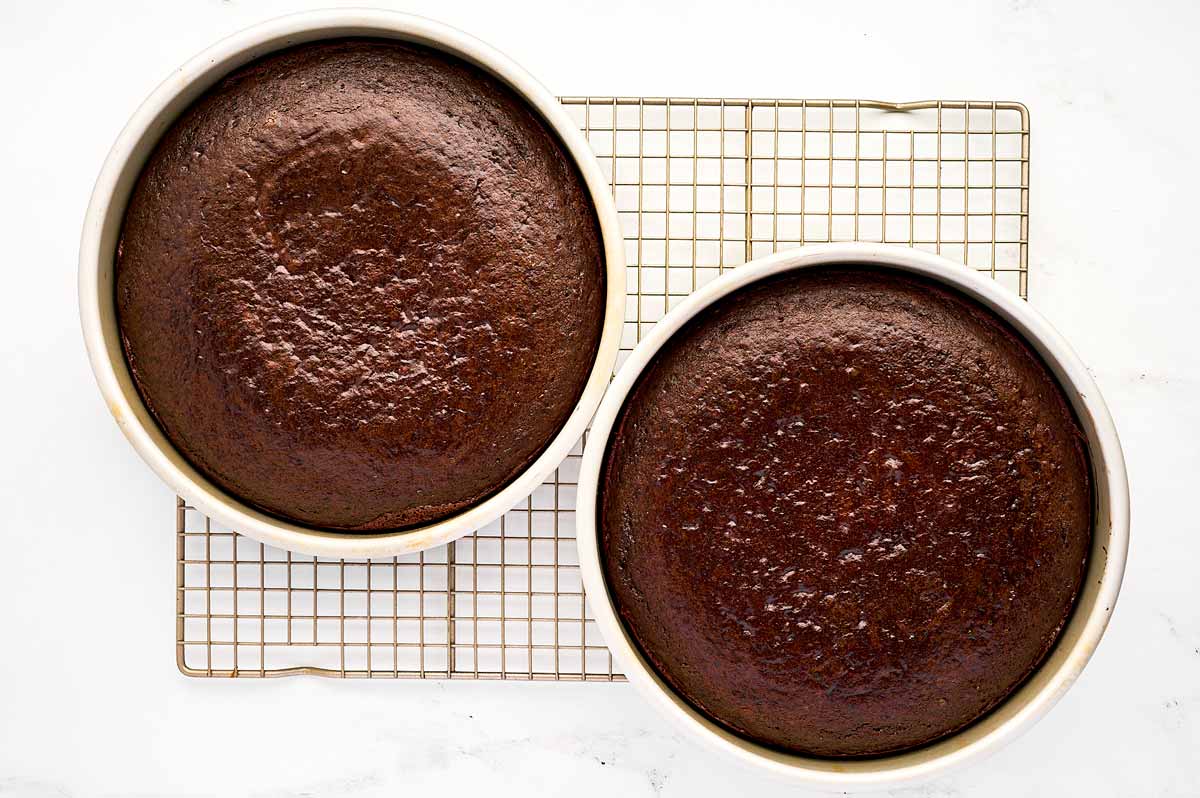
(701, 186)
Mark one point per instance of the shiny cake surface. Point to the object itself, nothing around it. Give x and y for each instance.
(845, 512)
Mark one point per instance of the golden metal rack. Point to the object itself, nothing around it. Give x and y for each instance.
(701, 185)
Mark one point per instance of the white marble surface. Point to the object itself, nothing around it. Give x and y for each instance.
(90, 701)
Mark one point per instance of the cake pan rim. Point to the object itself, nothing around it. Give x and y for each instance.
(1076, 643)
(101, 229)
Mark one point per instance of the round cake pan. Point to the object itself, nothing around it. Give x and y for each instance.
(102, 226)
(1106, 560)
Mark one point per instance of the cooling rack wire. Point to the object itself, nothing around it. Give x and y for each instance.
(701, 185)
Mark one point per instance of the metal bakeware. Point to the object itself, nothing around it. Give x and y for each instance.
(701, 185)
(1097, 593)
(101, 229)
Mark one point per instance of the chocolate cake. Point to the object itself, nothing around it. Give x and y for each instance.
(360, 285)
(845, 512)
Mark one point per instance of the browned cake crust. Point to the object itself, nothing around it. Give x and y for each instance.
(845, 512)
(360, 285)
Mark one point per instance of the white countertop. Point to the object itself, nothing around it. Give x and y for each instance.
(91, 703)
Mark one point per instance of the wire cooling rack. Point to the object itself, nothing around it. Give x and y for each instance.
(701, 185)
